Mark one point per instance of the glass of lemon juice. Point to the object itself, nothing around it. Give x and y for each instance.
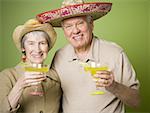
(93, 68)
(37, 88)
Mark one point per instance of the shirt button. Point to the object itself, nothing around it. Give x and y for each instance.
(41, 112)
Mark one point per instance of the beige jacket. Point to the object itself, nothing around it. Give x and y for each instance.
(49, 103)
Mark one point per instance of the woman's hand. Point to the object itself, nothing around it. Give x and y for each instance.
(26, 80)
(30, 78)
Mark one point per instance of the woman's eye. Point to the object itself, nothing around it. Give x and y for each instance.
(30, 43)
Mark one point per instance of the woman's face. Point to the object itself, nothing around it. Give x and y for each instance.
(36, 47)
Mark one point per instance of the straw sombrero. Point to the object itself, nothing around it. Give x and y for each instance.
(33, 25)
(72, 8)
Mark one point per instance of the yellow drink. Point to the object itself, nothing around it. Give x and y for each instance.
(93, 71)
(37, 89)
(35, 69)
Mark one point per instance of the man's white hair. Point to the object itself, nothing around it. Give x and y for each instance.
(89, 18)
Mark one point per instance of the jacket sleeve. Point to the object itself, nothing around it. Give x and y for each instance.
(6, 84)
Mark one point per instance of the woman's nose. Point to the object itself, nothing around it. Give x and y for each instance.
(37, 48)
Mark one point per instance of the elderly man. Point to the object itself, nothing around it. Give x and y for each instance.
(115, 82)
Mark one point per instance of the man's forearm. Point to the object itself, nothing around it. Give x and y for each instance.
(127, 95)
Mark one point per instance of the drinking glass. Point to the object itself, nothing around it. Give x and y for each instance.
(93, 68)
(37, 89)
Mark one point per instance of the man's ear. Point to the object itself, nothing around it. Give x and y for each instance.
(92, 24)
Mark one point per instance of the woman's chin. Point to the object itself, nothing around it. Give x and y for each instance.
(37, 62)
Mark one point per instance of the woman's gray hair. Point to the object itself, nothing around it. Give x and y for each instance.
(44, 34)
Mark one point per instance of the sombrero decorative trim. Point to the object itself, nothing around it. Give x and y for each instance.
(95, 9)
(33, 25)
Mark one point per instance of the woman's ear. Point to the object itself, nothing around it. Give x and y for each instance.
(23, 58)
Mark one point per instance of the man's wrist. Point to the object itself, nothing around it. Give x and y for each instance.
(112, 88)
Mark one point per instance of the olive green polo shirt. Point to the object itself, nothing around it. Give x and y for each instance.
(77, 84)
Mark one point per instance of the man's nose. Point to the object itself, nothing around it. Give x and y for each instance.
(76, 30)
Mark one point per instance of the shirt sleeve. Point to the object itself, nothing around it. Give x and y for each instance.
(126, 71)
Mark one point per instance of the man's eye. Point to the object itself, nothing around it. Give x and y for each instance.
(68, 26)
(80, 23)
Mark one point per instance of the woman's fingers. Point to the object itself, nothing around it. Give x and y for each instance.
(33, 78)
(34, 75)
(34, 81)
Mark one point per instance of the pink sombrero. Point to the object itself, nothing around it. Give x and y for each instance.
(72, 8)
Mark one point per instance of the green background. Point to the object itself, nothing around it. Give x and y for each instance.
(128, 24)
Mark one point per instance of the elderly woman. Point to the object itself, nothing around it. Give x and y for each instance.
(34, 40)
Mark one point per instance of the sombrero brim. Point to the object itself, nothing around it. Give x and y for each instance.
(95, 9)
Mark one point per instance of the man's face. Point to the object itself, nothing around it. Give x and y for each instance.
(78, 31)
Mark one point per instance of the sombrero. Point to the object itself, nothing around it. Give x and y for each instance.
(72, 8)
(33, 25)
